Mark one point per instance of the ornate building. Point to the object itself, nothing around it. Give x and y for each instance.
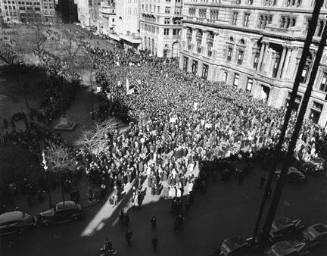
(119, 19)
(160, 26)
(256, 46)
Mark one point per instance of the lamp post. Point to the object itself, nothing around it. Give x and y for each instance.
(45, 167)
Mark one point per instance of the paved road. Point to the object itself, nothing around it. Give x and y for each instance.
(226, 210)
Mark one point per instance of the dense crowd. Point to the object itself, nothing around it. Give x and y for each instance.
(181, 120)
(177, 122)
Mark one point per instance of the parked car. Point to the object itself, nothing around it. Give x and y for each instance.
(293, 175)
(63, 212)
(234, 246)
(15, 222)
(315, 234)
(285, 228)
(288, 248)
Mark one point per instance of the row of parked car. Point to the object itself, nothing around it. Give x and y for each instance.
(288, 237)
(16, 222)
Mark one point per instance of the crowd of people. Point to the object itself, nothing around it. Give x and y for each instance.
(176, 121)
(181, 120)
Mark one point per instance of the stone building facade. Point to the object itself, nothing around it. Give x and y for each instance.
(256, 46)
(160, 26)
(119, 19)
(24, 11)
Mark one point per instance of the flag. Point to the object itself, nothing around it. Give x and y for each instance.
(129, 88)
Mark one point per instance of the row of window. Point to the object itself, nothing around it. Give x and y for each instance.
(168, 9)
(286, 21)
(175, 31)
(174, 21)
(288, 3)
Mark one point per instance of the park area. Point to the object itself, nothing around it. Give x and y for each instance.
(141, 131)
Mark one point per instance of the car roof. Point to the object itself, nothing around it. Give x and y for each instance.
(65, 205)
(11, 216)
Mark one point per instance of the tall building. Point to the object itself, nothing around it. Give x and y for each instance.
(255, 45)
(160, 26)
(119, 19)
(24, 11)
(88, 12)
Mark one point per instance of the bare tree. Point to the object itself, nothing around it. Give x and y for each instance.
(97, 140)
(59, 160)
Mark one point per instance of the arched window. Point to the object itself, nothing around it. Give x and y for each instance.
(210, 38)
(225, 76)
(199, 40)
(189, 35)
(199, 36)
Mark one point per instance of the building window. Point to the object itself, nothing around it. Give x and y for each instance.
(238, 1)
(234, 18)
(166, 31)
(246, 19)
(276, 65)
(229, 53)
(269, 2)
(323, 85)
(210, 38)
(167, 10)
(202, 13)
(287, 21)
(194, 67)
(320, 27)
(293, 3)
(225, 77)
(297, 101)
(249, 85)
(167, 20)
(214, 14)
(205, 69)
(236, 79)
(191, 11)
(240, 56)
(316, 110)
(250, 1)
(306, 69)
(185, 63)
(175, 31)
(264, 20)
(256, 59)
(199, 40)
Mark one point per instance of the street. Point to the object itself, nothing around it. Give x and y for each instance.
(224, 211)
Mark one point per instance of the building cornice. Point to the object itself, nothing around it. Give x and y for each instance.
(258, 8)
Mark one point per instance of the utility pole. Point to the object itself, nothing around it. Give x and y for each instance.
(281, 182)
(311, 30)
